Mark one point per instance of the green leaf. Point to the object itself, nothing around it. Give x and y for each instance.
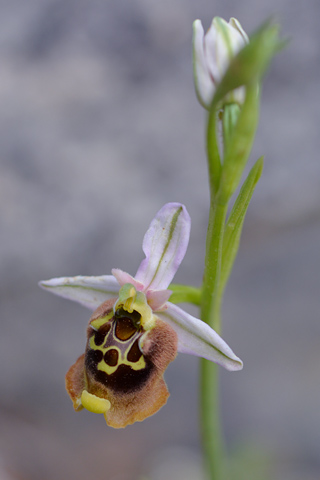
(235, 223)
(238, 148)
(185, 293)
(249, 65)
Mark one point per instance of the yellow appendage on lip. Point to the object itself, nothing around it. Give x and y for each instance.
(93, 403)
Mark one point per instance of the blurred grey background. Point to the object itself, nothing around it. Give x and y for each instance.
(99, 127)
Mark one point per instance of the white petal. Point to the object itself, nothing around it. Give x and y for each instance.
(237, 25)
(197, 338)
(203, 82)
(158, 298)
(164, 245)
(217, 55)
(89, 291)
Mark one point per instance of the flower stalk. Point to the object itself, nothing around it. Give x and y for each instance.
(209, 376)
(232, 98)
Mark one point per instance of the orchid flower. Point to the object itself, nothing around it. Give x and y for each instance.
(134, 331)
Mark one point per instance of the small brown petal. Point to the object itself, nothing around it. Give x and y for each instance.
(75, 382)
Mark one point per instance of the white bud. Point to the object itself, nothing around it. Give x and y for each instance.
(212, 53)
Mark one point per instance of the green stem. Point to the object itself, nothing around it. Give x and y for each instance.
(229, 119)
(210, 313)
(211, 431)
(214, 162)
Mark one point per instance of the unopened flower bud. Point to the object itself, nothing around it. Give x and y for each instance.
(212, 54)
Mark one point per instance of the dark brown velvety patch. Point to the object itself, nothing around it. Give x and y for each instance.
(124, 379)
(124, 328)
(134, 353)
(111, 357)
(100, 335)
(92, 358)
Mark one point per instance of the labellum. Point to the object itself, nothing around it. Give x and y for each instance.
(121, 372)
